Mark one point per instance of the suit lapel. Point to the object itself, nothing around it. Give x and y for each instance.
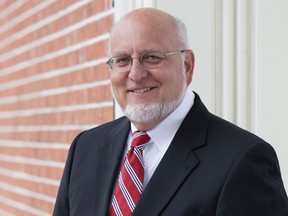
(178, 162)
(110, 157)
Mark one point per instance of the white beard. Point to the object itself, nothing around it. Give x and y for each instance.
(147, 113)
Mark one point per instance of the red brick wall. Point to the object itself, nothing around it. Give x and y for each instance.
(53, 84)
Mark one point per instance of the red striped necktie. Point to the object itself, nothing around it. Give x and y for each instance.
(130, 182)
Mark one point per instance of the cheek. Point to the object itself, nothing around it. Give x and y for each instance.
(117, 81)
(118, 87)
(177, 83)
(174, 81)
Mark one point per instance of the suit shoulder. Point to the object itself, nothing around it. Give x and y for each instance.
(108, 126)
(224, 129)
(227, 136)
(104, 131)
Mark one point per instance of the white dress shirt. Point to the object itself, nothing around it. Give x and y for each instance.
(162, 136)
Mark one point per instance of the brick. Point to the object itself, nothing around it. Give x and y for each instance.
(50, 91)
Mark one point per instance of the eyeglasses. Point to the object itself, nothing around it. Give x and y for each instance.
(149, 59)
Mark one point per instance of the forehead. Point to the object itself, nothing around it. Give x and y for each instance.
(139, 32)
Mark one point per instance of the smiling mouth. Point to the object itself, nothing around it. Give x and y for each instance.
(143, 90)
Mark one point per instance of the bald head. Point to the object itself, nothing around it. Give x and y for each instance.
(150, 16)
(153, 21)
(148, 12)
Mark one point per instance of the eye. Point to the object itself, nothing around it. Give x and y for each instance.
(121, 61)
(152, 58)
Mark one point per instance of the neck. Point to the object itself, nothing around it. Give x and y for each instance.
(145, 126)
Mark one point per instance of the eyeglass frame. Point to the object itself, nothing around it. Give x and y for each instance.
(110, 61)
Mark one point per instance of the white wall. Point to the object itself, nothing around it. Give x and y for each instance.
(272, 77)
(241, 72)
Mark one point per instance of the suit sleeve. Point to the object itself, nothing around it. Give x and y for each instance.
(254, 186)
(61, 207)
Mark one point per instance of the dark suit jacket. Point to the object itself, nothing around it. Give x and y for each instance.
(211, 168)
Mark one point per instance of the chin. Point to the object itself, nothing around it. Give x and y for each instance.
(147, 113)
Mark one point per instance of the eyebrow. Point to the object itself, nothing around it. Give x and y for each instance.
(151, 50)
(119, 53)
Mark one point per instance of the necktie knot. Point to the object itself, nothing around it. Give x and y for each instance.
(140, 139)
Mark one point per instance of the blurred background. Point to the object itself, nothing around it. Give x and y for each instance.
(54, 82)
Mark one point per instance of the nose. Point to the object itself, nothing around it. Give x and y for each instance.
(137, 70)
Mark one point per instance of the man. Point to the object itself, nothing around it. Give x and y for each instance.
(194, 162)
